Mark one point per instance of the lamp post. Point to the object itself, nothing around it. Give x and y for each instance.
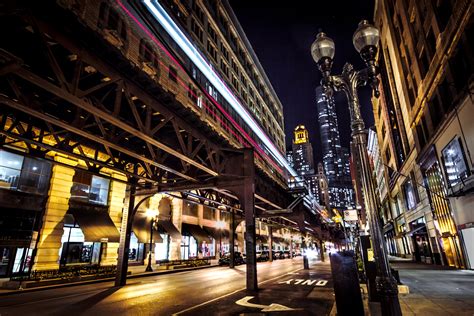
(220, 226)
(365, 40)
(152, 214)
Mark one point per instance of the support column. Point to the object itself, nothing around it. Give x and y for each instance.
(247, 201)
(270, 243)
(49, 243)
(125, 234)
(321, 245)
(231, 238)
(291, 247)
(305, 257)
(177, 218)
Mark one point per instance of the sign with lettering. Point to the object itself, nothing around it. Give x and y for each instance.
(350, 215)
(304, 282)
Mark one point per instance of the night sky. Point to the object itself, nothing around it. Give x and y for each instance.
(281, 33)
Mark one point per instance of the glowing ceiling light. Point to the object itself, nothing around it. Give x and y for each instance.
(193, 54)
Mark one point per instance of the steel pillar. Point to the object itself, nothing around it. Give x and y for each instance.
(232, 239)
(248, 203)
(270, 243)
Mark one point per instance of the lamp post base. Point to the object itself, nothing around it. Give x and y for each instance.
(148, 267)
(387, 289)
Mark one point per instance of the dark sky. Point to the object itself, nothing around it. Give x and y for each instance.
(281, 33)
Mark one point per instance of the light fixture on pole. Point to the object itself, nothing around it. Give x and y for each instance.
(152, 214)
(220, 227)
(365, 40)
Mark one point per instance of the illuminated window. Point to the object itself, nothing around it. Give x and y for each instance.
(90, 188)
(454, 162)
(23, 173)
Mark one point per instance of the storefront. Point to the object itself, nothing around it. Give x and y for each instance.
(24, 184)
(389, 234)
(446, 230)
(195, 241)
(420, 241)
(87, 227)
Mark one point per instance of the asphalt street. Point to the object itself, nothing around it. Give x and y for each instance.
(168, 294)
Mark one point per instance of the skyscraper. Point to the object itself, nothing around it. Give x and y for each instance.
(335, 157)
(302, 151)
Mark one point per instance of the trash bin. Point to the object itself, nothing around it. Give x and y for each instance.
(346, 284)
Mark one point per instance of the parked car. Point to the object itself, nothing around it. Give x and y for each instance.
(280, 255)
(263, 256)
(238, 259)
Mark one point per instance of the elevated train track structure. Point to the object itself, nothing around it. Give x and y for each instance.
(108, 84)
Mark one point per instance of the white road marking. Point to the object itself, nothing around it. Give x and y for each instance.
(264, 308)
(225, 295)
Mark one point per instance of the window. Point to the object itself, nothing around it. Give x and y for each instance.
(147, 54)
(192, 93)
(90, 188)
(173, 74)
(99, 191)
(454, 162)
(224, 51)
(35, 176)
(111, 20)
(190, 209)
(212, 33)
(410, 194)
(10, 170)
(209, 214)
(197, 30)
(211, 50)
(224, 68)
(198, 11)
(23, 173)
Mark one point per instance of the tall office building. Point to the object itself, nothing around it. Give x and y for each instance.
(424, 128)
(302, 151)
(335, 157)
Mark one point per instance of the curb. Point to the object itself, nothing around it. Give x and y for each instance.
(132, 276)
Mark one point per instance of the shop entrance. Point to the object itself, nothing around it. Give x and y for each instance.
(422, 249)
(6, 261)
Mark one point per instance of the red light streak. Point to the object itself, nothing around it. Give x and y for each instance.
(209, 97)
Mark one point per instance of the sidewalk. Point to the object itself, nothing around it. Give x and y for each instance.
(434, 290)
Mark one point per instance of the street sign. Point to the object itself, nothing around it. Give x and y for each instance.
(350, 215)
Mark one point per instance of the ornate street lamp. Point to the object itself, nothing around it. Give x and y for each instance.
(153, 215)
(365, 40)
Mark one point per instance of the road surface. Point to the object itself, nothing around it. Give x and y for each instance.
(153, 295)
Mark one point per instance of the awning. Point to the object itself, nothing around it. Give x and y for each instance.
(197, 232)
(276, 239)
(141, 227)
(95, 224)
(168, 227)
(418, 230)
(262, 239)
(216, 233)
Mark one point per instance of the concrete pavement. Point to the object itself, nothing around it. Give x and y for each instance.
(433, 290)
(303, 292)
(173, 293)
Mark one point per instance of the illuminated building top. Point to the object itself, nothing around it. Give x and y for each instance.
(301, 135)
